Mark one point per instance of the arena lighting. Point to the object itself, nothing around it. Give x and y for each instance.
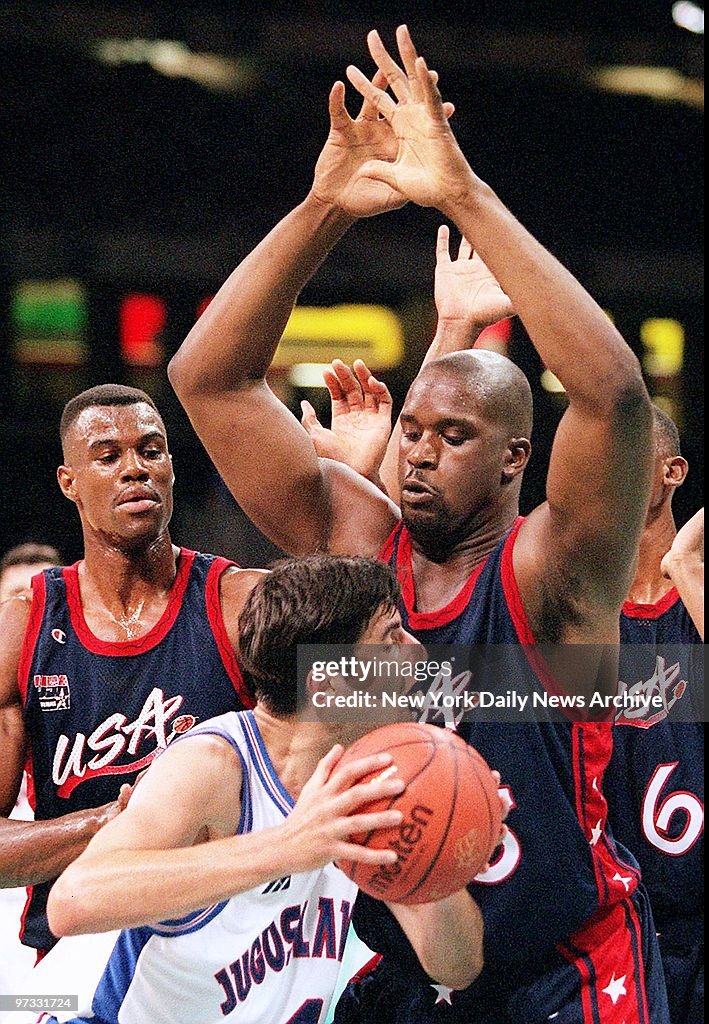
(663, 343)
(174, 59)
(314, 334)
(308, 375)
(658, 83)
(550, 382)
(48, 322)
(689, 16)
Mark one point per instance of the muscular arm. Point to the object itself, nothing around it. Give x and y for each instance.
(582, 541)
(684, 565)
(31, 851)
(262, 452)
(447, 937)
(174, 849)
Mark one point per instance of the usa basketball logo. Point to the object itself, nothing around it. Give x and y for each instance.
(182, 724)
(53, 692)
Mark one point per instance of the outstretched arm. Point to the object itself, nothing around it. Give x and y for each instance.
(584, 538)
(32, 851)
(174, 850)
(684, 565)
(261, 451)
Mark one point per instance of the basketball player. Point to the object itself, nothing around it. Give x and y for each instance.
(107, 659)
(655, 784)
(258, 914)
(567, 933)
(19, 565)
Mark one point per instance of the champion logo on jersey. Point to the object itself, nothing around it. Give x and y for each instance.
(278, 885)
(59, 635)
(53, 692)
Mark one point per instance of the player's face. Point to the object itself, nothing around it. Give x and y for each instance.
(16, 578)
(119, 473)
(450, 458)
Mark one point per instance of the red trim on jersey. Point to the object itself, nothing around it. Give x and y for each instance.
(651, 611)
(367, 969)
(612, 947)
(521, 625)
(221, 637)
(388, 548)
(32, 800)
(404, 571)
(39, 597)
(126, 648)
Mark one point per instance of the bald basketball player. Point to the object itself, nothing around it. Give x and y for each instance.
(104, 661)
(568, 935)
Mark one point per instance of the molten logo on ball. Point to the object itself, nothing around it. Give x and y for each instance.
(410, 834)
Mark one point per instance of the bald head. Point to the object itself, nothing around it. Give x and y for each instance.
(493, 384)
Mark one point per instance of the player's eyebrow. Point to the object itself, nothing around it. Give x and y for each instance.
(101, 442)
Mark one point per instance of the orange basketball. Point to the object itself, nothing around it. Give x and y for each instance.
(452, 815)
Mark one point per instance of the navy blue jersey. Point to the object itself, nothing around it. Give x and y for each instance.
(655, 784)
(556, 882)
(97, 712)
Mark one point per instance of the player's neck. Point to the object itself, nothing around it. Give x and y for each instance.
(649, 585)
(123, 594)
(295, 747)
(441, 570)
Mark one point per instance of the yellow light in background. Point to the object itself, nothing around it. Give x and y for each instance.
(550, 382)
(317, 334)
(670, 406)
(663, 342)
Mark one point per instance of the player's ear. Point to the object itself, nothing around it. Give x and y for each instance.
(516, 457)
(675, 471)
(66, 479)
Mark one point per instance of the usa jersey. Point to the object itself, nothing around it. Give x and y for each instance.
(267, 956)
(97, 712)
(655, 786)
(558, 879)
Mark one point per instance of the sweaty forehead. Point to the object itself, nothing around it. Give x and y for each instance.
(113, 422)
(446, 395)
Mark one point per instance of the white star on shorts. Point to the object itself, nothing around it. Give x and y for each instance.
(616, 988)
(444, 994)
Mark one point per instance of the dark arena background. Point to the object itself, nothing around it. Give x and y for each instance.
(148, 147)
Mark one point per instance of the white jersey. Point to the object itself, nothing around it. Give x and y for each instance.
(267, 956)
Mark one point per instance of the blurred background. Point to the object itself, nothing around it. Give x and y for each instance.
(148, 147)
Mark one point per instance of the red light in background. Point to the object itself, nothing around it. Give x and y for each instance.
(496, 336)
(201, 306)
(142, 319)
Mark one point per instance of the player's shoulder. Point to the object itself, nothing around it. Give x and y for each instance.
(236, 584)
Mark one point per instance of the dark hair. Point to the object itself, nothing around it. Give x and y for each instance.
(321, 599)
(666, 433)
(102, 394)
(30, 554)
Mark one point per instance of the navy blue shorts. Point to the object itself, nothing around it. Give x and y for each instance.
(612, 975)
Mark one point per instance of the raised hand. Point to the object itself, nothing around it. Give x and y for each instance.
(464, 289)
(428, 166)
(350, 144)
(361, 418)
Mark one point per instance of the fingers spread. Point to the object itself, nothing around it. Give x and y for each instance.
(396, 78)
(383, 103)
(339, 118)
(442, 240)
